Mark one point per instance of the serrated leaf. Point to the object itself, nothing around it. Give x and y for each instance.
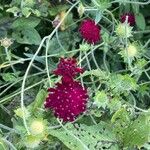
(137, 134)
(131, 132)
(92, 137)
(98, 73)
(140, 21)
(120, 120)
(122, 83)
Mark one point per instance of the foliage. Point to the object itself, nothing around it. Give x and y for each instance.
(35, 34)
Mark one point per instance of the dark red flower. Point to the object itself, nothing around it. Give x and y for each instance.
(67, 68)
(90, 31)
(131, 18)
(67, 100)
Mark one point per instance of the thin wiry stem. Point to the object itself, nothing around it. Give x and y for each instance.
(80, 65)
(132, 2)
(9, 59)
(126, 45)
(32, 60)
(26, 89)
(104, 61)
(7, 128)
(90, 69)
(22, 60)
(10, 144)
(19, 80)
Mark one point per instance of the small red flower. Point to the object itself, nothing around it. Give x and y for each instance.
(67, 68)
(131, 18)
(90, 31)
(67, 100)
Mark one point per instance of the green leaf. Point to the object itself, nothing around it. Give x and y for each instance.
(102, 4)
(30, 22)
(1, 7)
(98, 17)
(26, 11)
(120, 120)
(138, 132)
(136, 8)
(61, 44)
(9, 77)
(122, 83)
(140, 21)
(131, 132)
(39, 100)
(102, 75)
(2, 145)
(121, 117)
(57, 9)
(27, 36)
(89, 137)
(13, 10)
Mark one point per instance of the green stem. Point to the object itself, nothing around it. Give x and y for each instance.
(104, 61)
(16, 93)
(19, 80)
(12, 147)
(32, 60)
(9, 59)
(132, 2)
(7, 128)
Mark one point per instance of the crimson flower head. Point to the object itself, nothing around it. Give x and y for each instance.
(130, 17)
(67, 100)
(90, 31)
(67, 68)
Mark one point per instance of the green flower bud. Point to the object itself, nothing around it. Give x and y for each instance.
(123, 30)
(31, 141)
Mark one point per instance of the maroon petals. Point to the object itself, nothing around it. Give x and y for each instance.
(67, 100)
(68, 68)
(90, 31)
(131, 18)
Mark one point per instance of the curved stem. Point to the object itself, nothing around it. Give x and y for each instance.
(32, 60)
(132, 2)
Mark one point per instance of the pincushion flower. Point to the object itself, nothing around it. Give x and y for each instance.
(130, 18)
(67, 99)
(90, 31)
(67, 68)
